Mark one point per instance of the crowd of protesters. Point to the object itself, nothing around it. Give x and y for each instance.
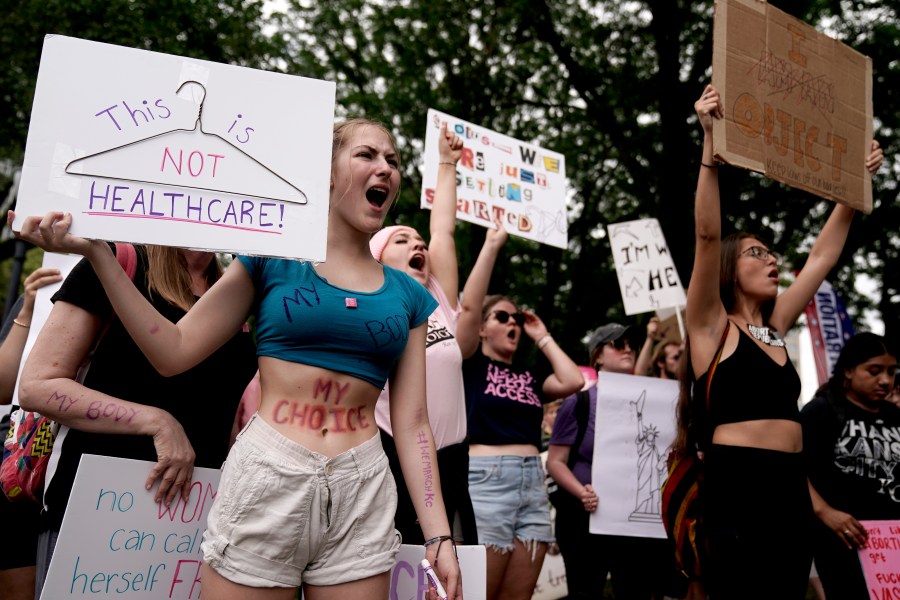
(448, 398)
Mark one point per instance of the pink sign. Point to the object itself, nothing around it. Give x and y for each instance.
(880, 559)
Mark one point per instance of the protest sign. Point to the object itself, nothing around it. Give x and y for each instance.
(798, 104)
(829, 328)
(408, 581)
(521, 184)
(116, 542)
(880, 559)
(635, 425)
(551, 583)
(648, 280)
(152, 148)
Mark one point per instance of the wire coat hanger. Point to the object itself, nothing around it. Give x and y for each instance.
(298, 196)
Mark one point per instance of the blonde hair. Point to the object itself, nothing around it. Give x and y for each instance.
(167, 275)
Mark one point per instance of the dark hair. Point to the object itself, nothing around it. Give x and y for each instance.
(857, 350)
(660, 356)
(683, 438)
(728, 284)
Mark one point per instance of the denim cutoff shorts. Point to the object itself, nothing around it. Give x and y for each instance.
(510, 500)
(285, 515)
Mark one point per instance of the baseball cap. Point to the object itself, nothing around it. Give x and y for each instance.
(605, 334)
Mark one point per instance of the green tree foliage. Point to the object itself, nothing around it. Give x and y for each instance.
(228, 31)
(611, 85)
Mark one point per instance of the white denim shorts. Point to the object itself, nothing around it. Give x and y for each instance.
(285, 515)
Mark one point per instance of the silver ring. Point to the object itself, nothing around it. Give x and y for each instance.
(846, 532)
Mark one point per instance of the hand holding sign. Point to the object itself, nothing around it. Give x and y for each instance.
(709, 106)
(450, 146)
(51, 233)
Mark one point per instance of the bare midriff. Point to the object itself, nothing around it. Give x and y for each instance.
(502, 450)
(322, 410)
(769, 434)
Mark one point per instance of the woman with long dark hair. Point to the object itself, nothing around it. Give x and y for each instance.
(850, 437)
(754, 499)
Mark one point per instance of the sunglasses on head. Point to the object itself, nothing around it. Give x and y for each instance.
(502, 317)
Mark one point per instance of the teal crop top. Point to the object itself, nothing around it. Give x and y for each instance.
(302, 318)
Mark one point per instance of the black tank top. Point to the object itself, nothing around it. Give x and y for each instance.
(749, 386)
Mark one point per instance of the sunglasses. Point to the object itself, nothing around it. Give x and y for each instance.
(620, 344)
(502, 317)
(760, 253)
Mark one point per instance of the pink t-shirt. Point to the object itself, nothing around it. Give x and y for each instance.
(443, 376)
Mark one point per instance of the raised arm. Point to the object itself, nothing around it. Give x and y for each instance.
(14, 345)
(476, 288)
(418, 458)
(822, 258)
(644, 360)
(705, 314)
(170, 348)
(566, 378)
(442, 246)
(48, 386)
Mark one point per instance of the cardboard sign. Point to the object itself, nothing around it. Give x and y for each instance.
(648, 280)
(798, 104)
(880, 559)
(634, 428)
(408, 581)
(116, 542)
(152, 148)
(521, 184)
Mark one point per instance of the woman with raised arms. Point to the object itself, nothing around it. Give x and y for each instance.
(755, 504)
(306, 496)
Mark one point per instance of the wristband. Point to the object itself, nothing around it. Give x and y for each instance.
(541, 343)
(16, 321)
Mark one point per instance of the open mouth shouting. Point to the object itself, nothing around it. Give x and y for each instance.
(417, 262)
(377, 196)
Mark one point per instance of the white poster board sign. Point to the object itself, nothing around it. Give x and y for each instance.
(116, 542)
(522, 184)
(635, 427)
(408, 581)
(43, 306)
(152, 148)
(551, 583)
(647, 276)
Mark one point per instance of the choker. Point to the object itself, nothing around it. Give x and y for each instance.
(765, 336)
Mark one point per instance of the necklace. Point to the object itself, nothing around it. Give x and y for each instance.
(765, 336)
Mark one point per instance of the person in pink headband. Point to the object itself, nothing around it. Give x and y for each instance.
(453, 334)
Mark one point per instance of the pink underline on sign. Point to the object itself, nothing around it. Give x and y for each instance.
(121, 216)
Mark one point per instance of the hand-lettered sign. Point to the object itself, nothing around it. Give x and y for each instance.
(635, 425)
(408, 580)
(647, 276)
(880, 559)
(501, 177)
(798, 104)
(116, 542)
(152, 148)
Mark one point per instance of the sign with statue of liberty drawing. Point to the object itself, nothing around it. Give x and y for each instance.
(635, 427)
